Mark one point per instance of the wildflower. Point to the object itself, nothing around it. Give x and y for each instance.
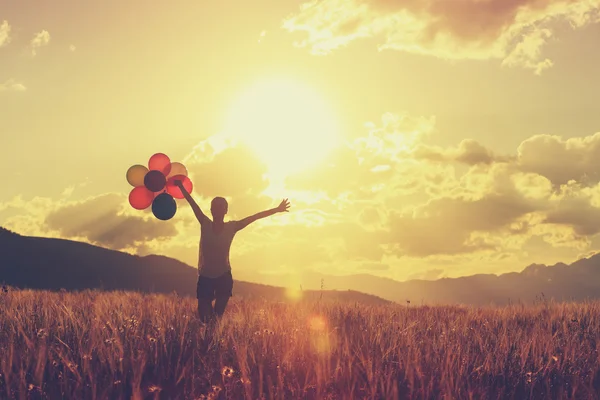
(41, 333)
(154, 389)
(227, 372)
(245, 381)
(555, 358)
(216, 389)
(152, 340)
(117, 382)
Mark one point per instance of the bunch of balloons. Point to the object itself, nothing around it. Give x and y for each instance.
(155, 185)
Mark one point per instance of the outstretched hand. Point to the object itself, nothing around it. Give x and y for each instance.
(283, 206)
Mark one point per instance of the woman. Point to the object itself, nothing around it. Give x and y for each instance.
(214, 270)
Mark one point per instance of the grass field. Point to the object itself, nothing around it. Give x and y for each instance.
(125, 345)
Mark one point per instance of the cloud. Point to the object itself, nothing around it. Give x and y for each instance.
(561, 160)
(576, 207)
(527, 53)
(480, 211)
(386, 201)
(468, 152)
(39, 40)
(369, 160)
(4, 33)
(325, 176)
(410, 197)
(375, 267)
(12, 86)
(445, 226)
(230, 172)
(513, 31)
(100, 220)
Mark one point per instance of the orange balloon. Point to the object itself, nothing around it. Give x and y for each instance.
(135, 175)
(141, 198)
(177, 168)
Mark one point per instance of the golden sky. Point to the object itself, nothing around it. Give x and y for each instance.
(415, 139)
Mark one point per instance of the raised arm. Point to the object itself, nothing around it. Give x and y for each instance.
(282, 207)
(200, 216)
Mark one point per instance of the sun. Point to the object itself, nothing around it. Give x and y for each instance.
(287, 124)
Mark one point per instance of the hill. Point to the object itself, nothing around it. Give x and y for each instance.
(54, 264)
(562, 282)
(45, 263)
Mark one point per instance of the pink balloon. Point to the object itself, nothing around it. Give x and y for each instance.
(140, 198)
(174, 191)
(160, 162)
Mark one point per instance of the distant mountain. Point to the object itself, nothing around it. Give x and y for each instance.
(54, 264)
(561, 282)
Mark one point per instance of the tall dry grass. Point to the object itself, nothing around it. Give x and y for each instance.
(95, 345)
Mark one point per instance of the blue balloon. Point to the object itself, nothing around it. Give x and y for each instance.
(164, 206)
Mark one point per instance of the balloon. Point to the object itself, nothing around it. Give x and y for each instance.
(136, 174)
(160, 162)
(177, 169)
(155, 181)
(174, 191)
(140, 198)
(164, 206)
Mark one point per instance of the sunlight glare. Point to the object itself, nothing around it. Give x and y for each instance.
(317, 323)
(293, 293)
(288, 125)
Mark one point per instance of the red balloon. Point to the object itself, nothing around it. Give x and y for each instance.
(160, 162)
(140, 198)
(174, 191)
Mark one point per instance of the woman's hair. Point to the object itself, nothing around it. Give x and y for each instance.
(219, 202)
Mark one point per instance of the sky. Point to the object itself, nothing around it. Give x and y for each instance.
(414, 139)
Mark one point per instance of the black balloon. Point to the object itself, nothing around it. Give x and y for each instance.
(164, 206)
(155, 181)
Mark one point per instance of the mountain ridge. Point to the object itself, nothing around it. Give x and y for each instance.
(578, 281)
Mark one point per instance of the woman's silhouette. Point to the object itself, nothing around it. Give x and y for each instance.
(215, 281)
